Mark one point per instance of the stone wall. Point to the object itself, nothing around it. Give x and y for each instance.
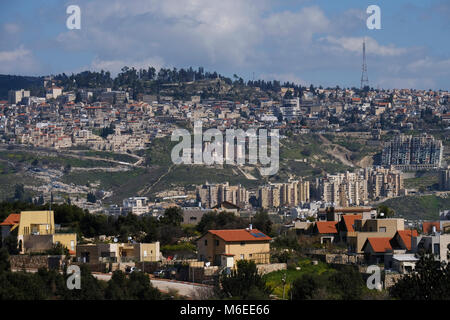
(338, 258)
(202, 274)
(267, 268)
(35, 261)
(390, 279)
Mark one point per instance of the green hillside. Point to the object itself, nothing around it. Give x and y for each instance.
(418, 207)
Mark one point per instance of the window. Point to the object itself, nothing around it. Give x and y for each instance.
(217, 242)
(382, 229)
(436, 249)
(242, 243)
(72, 245)
(145, 253)
(206, 242)
(250, 255)
(242, 257)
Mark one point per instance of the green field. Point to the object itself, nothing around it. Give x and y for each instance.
(52, 161)
(10, 180)
(111, 155)
(418, 207)
(423, 180)
(274, 279)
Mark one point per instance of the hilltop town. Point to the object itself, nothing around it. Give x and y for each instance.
(86, 171)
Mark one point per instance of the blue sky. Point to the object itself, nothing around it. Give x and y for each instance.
(303, 41)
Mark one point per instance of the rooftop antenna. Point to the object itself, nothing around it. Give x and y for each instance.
(364, 76)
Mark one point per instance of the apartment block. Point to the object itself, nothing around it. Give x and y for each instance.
(212, 195)
(289, 194)
(16, 96)
(413, 153)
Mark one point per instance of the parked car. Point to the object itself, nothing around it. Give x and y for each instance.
(159, 273)
(131, 269)
(170, 273)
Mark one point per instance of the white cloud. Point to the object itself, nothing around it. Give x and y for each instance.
(354, 45)
(300, 25)
(407, 82)
(11, 28)
(115, 66)
(14, 55)
(284, 77)
(429, 65)
(302, 45)
(18, 61)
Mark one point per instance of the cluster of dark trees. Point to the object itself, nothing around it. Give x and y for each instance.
(225, 220)
(10, 82)
(149, 80)
(104, 132)
(243, 283)
(51, 284)
(135, 79)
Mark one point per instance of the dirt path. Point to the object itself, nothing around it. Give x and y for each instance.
(247, 175)
(147, 189)
(337, 152)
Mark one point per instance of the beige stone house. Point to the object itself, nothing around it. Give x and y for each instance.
(226, 247)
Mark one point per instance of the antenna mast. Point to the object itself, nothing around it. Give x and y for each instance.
(364, 76)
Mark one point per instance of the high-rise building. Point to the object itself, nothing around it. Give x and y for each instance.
(16, 96)
(289, 194)
(356, 188)
(444, 179)
(413, 153)
(264, 197)
(211, 195)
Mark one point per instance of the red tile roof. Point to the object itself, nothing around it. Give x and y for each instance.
(326, 226)
(379, 244)
(406, 236)
(11, 220)
(427, 227)
(235, 235)
(349, 221)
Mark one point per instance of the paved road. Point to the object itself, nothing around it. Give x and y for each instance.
(186, 289)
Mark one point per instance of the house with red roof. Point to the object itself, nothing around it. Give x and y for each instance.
(347, 225)
(9, 224)
(393, 251)
(403, 239)
(375, 249)
(429, 227)
(327, 231)
(226, 247)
